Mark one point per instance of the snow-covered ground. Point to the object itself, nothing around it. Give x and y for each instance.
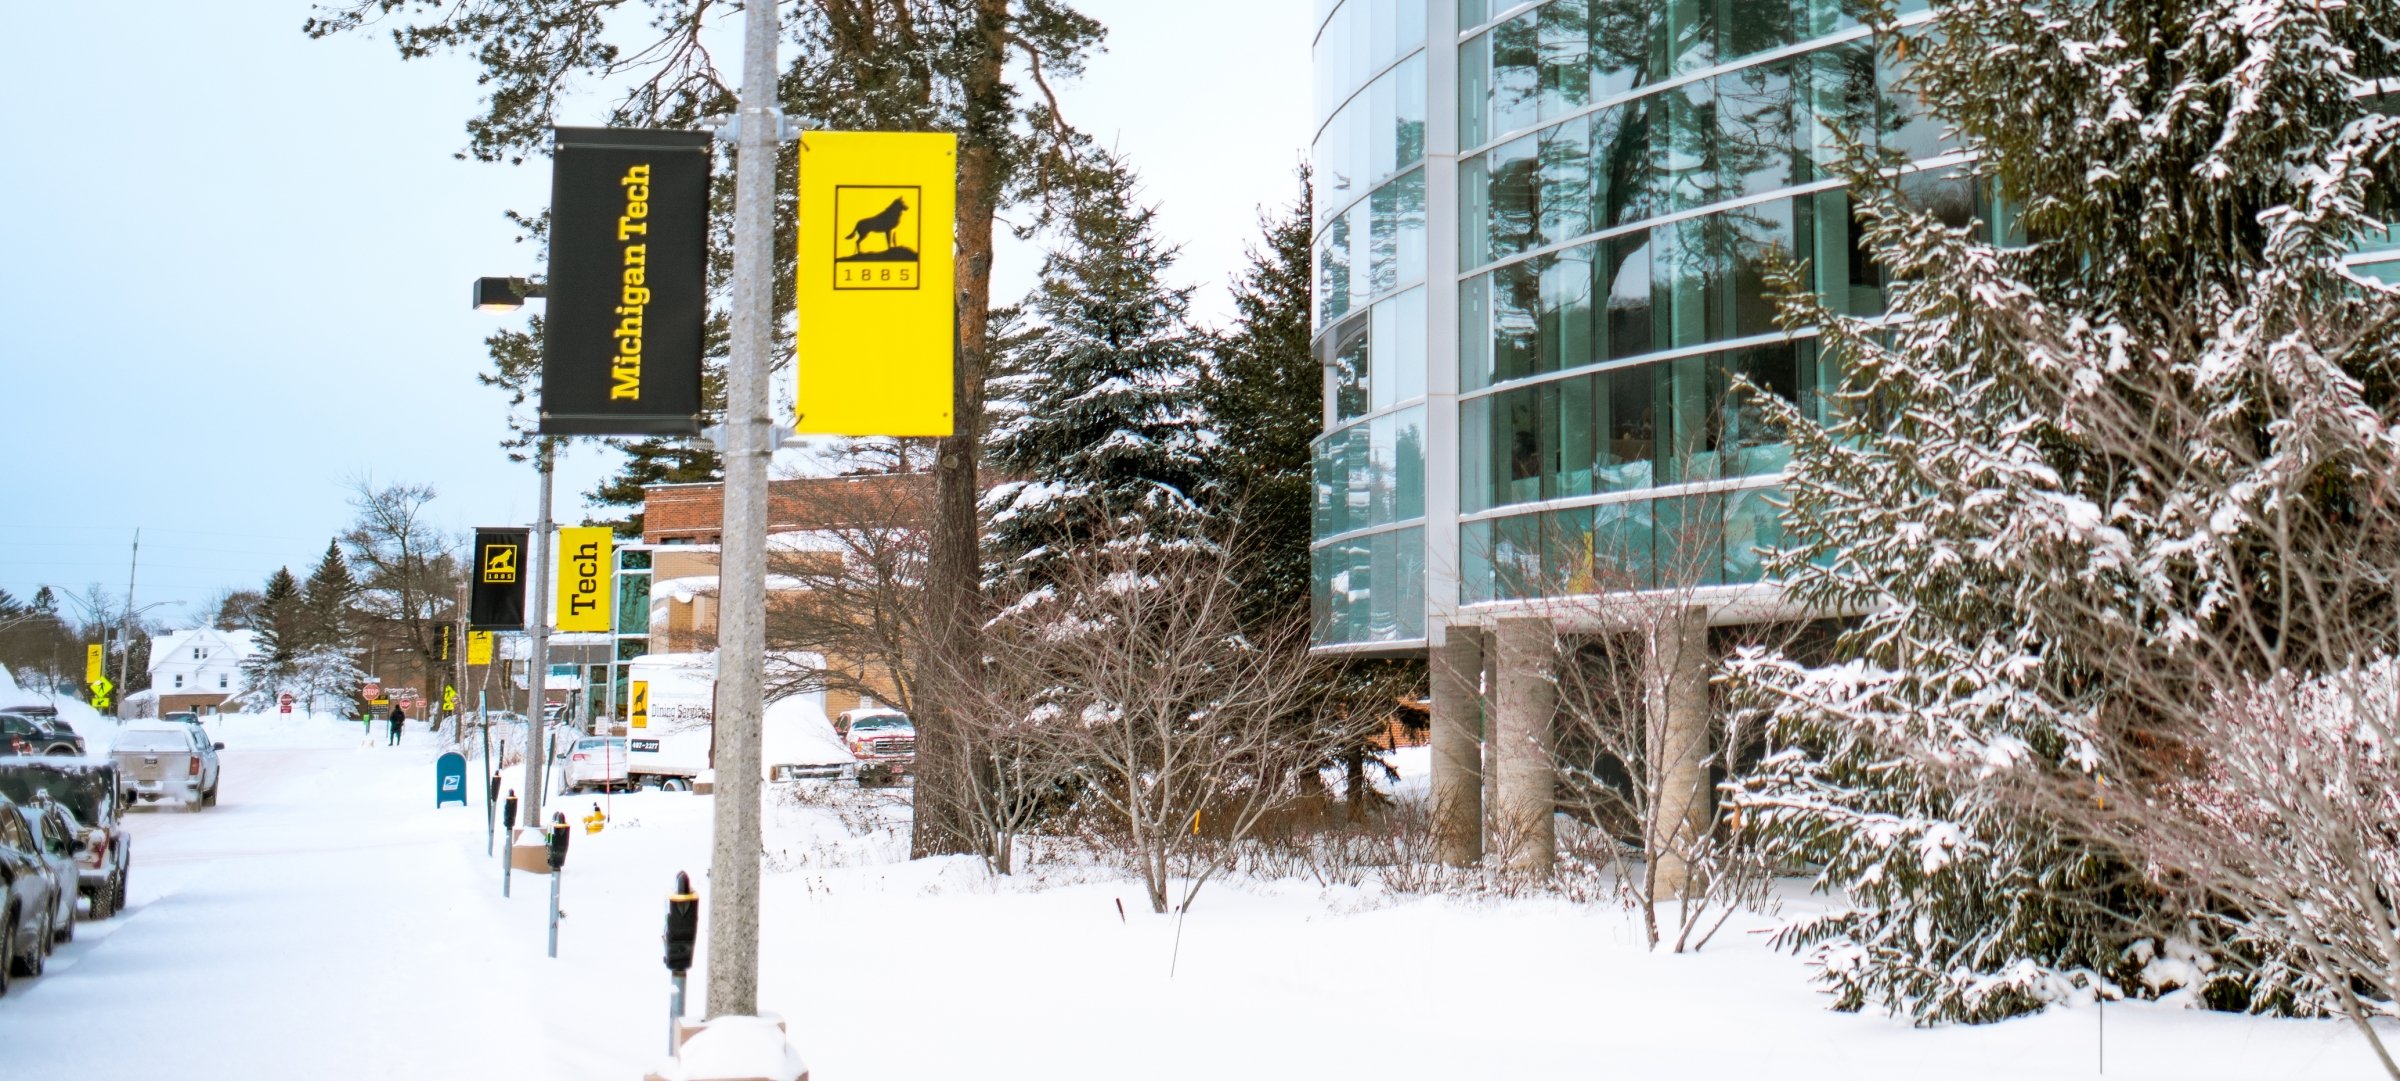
(327, 921)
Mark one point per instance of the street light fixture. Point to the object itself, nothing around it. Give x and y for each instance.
(506, 294)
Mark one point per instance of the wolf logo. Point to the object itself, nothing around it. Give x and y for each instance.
(887, 222)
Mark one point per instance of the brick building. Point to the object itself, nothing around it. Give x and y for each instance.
(812, 523)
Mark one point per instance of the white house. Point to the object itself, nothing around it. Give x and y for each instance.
(198, 670)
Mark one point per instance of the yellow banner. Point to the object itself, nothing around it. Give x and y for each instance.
(637, 705)
(479, 647)
(92, 658)
(877, 326)
(585, 560)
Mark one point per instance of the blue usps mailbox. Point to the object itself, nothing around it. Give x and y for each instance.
(450, 779)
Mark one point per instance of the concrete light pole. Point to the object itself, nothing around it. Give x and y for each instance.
(537, 618)
(742, 567)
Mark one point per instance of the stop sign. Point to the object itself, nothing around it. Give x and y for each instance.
(286, 702)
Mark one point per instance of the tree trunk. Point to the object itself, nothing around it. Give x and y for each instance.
(954, 567)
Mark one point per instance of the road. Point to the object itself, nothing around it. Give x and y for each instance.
(321, 921)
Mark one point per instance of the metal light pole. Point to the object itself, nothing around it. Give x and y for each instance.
(537, 619)
(125, 657)
(742, 568)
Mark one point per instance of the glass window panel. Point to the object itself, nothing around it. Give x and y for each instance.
(1515, 100)
(1474, 212)
(1689, 540)
(1564, 189)
(1948, 196)
(1621, 545)
(1400, 347)
(1622, 50)
(1474, 91)
(1690, 451)
(1751, 443)
(1752, 524)
(1759, 234)
(1408, 464)
(1383, 620)
(1349, 353)
(1624, 167)
(1904, 123)
(1848, 278)
(1627, 456)
(1408, 121)
(1516, 328)
(1839, 101)
(1475, 562)
(1755, 129)
(1475, 445)
(1383, 127)
(1685, 148)
(1364, 245)
(1567, 312)
(1512, 189)
(1624, 268)
(633, 599)
(1410, 202)
(1683, 283)
(1686, 35)
(1517, 447)
(1754, 26)
(1573, 434)
(1516, 556)
(1333, 271)
(1563, 44)
(1475, 333)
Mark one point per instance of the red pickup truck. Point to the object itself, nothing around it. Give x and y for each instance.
(883, 740)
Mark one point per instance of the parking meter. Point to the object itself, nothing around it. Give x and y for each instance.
(558, 840)
(508, 813)
(683, 924)
(492, 791)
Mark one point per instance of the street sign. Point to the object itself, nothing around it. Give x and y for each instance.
(283, 702)
(586, 562)
(496, 597)
(479, 647)
(628, 288)
(93, 658)
(878, 334)
(449, 699)
(371, 690)
(637, 707)
(450, 779)
(100, 689)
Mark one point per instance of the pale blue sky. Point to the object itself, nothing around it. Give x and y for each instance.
(240, 262)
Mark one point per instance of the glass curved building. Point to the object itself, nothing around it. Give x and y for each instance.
(1542, 238)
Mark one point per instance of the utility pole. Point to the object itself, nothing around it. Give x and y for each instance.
(742, 566)
(537, 619)
(125, 632)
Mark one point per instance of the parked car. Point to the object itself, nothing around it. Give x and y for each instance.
(185, 717)
(883, 740)
(37, 730)
(56, 831)
(594, 762)
(159, 760)
(28, 899)
(90, 792)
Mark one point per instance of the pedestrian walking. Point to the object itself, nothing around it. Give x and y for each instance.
(397, 717)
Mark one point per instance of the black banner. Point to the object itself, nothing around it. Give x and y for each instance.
(628, 280)
(497, 569)
(445, 641)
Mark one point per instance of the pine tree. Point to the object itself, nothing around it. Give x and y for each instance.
(325, 603)
(1096, 427)
(1263, 391)
(2057, 463)
(279, 627)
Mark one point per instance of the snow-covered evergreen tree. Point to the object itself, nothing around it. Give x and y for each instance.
(325, 606)
(2061, 464)
(1096, 421)
(280, 632)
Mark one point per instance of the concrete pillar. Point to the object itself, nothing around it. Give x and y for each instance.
(1675, 681)
(1525, 703)
(1458, 747)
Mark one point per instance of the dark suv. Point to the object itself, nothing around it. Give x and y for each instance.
(37, 730)
(91, 792)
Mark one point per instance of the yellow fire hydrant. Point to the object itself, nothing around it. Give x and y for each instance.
(595, 821)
